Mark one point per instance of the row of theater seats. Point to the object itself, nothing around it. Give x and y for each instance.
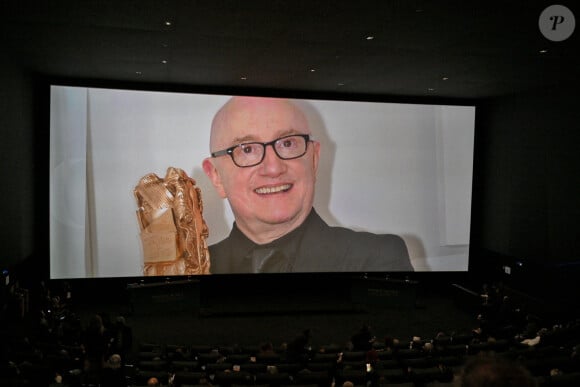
(406, 364)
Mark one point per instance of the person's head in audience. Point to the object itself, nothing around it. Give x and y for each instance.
(114, 361)
(246, 176)
(391, 343)
(266, 348)
(416, 342)
(153, 381)
(57, 379)
(120, 321)
(96, 324)
(492, 371)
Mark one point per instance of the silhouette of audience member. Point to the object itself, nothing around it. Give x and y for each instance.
(266, 349)
(121, 338)
(298, 350)
(490, 371)
(416, 343)
(57, 382)
(372, 368)
(363, 339)
(95, 345)
(267, 354)
(428, 349)
(204, 382)
(337, 370)
(112, 374)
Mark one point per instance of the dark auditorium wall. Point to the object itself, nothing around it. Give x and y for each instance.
(527, 190)
(17, 166)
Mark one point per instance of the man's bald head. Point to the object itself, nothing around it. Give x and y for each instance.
(273, 197)
(255, 113)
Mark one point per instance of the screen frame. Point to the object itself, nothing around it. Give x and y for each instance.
(298, 95)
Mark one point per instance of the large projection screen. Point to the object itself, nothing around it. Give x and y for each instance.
(402, 169)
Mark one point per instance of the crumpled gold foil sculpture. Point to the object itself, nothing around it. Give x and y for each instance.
(173, 231)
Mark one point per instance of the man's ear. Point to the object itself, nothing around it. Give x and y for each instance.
(213, 174)
(316, 158)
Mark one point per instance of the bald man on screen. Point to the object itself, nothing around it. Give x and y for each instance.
(264, 161)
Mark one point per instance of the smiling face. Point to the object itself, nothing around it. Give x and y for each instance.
(274, 197)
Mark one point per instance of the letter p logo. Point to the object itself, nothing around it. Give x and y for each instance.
(556, 20)
(557, 23)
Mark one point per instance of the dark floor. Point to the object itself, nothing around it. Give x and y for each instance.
(175, 315)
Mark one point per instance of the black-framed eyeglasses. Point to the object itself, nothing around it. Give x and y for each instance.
(250, 154)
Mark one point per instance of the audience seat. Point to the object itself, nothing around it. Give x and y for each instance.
(275, 379)
(420, 362)
(183, 365)
(319, 366)
(324, 358)
(566, 379)
(408, 353)
(152, 365)
(150, 347)
(208, 358)
(197, 349)
(149, 355)
(187, 377)
(272, 358)
(239, 358)
(353, 355)
(393, 375)
(321, 378)
(253, 368)
(224, 378)
(385, 354)
(290, 368)
(217, 367)
(358, 377)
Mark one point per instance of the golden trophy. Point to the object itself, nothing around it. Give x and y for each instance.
(173, 231)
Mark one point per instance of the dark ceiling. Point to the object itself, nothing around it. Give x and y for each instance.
(419, 48)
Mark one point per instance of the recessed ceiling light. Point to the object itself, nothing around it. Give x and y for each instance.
(243, 77)
(312, 70)
(445, 78)
(543, 51)
(369, 37)
(138, 73)
(164, 61)
(431, 89)
(168, 23)
(340, 84)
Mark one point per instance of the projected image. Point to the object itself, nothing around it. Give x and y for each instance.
(285, 186)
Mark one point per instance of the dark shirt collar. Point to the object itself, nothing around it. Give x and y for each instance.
(285, 246)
